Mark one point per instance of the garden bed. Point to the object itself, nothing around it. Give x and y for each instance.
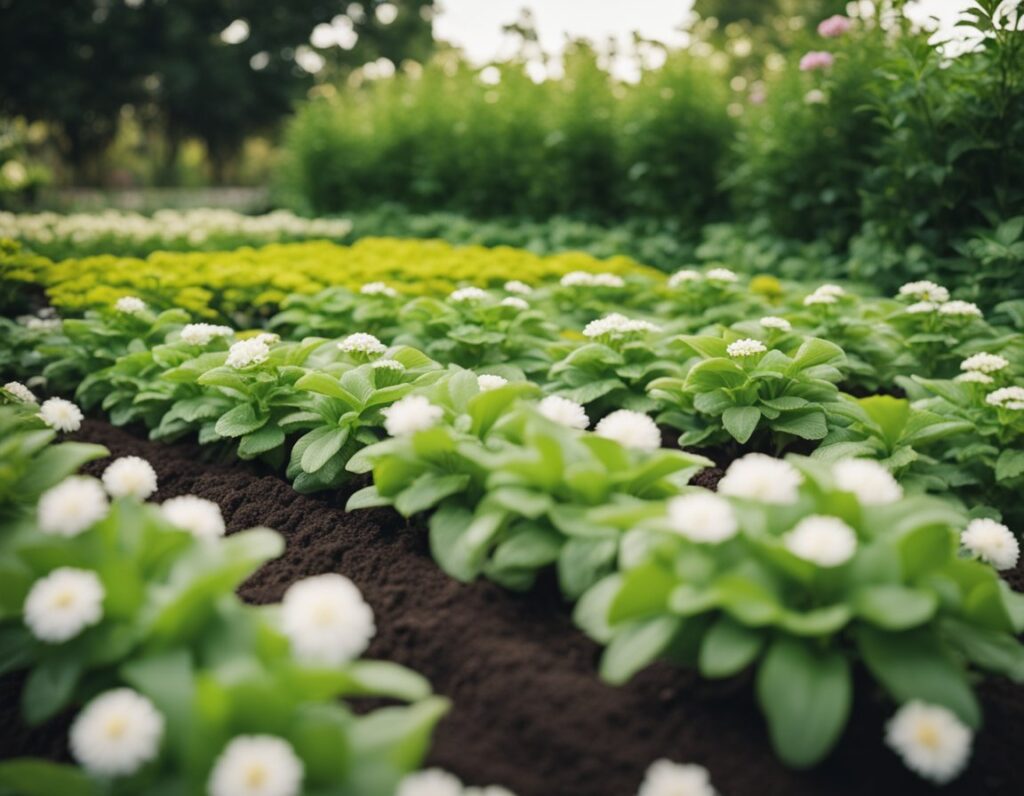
(529, 710)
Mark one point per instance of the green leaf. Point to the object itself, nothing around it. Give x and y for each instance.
(815, 351)
(30, 777)
(241, 420)
(915, 665)
(636, 646)
(167, 679)
(644, 591)
(384, 678)
(893, 607)
(728, 648)
(321, 445)
(740, 421)
(805, 694)
(261, 441)
(582, 562)
(400, 735)
(529, 548)
(366, 498)
(427, 491)
(1010, 464)
(49, 687)
(809, 424)
(459, 542)
(53, 465)
(997, 652)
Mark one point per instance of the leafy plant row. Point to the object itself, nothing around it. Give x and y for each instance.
(125, 613)
(245, 284)
(801, 568)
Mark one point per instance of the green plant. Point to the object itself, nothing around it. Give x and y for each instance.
(803, 571)
(735, 386)
(513, 491)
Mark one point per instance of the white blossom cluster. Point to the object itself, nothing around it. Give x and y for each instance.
(21, 392)
(362, 343)
(746, 347)
(617, 325)
(193, 227)
(203, 333)
(437, 782)
(932, 741)
(587, 279)
(1007, 398)
(826, 294)
(411, 414)
(564, 412)
(721, 276)
(665, 778)
(630, 430)
(929, 297)
(378, 289)
(252, 351)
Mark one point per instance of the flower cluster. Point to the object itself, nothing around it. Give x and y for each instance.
(564, 412)
(587, 279)
(1006, 398)
(746, 347)
(253, 351)
(630, 429)
(362, 343)
(616, 324)
(411, 414)
(202, 333)
(20, 392)
(378, 289)
(825, 294)
(61, 415)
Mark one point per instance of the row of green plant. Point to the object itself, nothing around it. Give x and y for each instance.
(889, 154)
(785, 381)
(125, 613)
(798, 568)
(246, 285)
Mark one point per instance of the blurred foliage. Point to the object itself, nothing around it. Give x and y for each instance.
(233, 285)
(77, 64)
(496, 143)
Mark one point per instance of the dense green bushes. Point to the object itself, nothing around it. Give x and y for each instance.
(441, 136)
(893, 158)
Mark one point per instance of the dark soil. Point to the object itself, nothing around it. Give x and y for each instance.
(529, 711)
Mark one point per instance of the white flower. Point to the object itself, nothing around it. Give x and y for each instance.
(760, 477)
(869, 481)
(198, 516)
(488, 381)
(960, 308)
(584, 279)
(775, 322)
(203, 333)
(684, 276)
(387, 364)
(248, 352)
(825, 541)
(468, 294)
(513, 301)
(665, 778)
(63, 604)
(430, 782)
(117, 733)
(61, 415)
(1007, 397)
(362, 343)
(562, 410)
(819, 298)
(515, 286)
(130, 305)
(925, 291)
(975, 377)
(815, 97)
(256, 765)
(378, 289)
(932, 741)
(268, 338)
(75, 504)
(745, 348)
(608, 280)
(992, 542)
(830, 290)
(412, 413)
(577, 279)
(617, 324)
(721, 275)
(702, 517)
(20, 392)
(630, 429)
(130, 475)
(921, 307)
(984, 363)
(326, 620)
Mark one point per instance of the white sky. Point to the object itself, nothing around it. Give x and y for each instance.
(475, 25)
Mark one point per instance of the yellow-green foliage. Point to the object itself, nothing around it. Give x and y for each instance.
(208, 283)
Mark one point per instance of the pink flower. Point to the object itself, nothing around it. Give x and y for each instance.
(816, 59)
(834, 26)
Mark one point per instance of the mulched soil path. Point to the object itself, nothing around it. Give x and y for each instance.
(529, 711)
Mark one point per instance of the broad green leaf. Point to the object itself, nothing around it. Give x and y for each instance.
(49, 687)
(243, 419)
(893, 607)
(915, 665)
(644, 591)
(427, 491)
(740, 421)
(32, 777)
(728, 648)
(322, 444)
(805, 693)
(636, 646)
